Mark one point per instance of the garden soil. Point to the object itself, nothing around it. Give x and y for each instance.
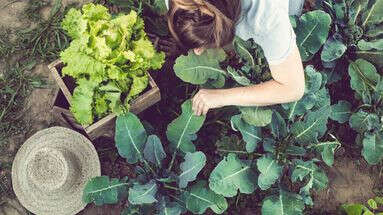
(349, 181)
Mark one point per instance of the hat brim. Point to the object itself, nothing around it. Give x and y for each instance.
(67, 203)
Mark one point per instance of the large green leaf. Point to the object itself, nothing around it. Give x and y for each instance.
(284, 203)
(154, 152)
(102, 190)
(143, 193)
(341, 111)
(166, 207)
(193, 164)
(130, 137)
(242, 80)
(327, 150)
(373, 147)
(181, 131)
(313, 127)
(364, 76)
(199, 198)
(333, 49)
(317, 178)
(278, 126)
(374, 14)
(199, 69)
(230, 175)
(250, 133)
(312, 31)
(257, 116)
(376, 57)
(370, 45)
(362, 121)
(82, 101)
(242, 47)
(270, 171)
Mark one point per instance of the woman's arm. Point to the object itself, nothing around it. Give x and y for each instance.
(288, 85)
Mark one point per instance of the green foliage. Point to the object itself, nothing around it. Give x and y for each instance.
(113, 54)
(250, 133)
(193, 164)
(231, 175)
(356, 31)
(16, 83)
(181, 131)
(130, 137)
(316, 95)
(199, 197)
(154, 152)
(317, 179)
(153, 187)
(257, 116)
(202, 69)
(341, 111)
(360, 209)
(102, 190)
(367, 84)
(327, 149)
(270, 171)
(312, 31)
(283, 203)
(313, 127)
(143, 193)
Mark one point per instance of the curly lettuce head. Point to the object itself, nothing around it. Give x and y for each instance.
(106, 51)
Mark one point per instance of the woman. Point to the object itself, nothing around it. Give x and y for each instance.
(203, 24)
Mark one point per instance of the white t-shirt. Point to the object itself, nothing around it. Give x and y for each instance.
(268, 23)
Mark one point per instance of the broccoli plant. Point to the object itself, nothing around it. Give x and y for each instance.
(356, 31)
(366, 120)
(166, 191)
(279, 140)
(291, 143)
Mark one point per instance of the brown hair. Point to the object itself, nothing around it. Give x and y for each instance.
(203, 23)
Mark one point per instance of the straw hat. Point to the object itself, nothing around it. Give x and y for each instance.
(51, 169)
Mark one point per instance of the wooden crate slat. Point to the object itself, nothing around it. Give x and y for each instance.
(104, 125)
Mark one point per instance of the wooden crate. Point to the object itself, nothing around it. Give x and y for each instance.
(104, 126)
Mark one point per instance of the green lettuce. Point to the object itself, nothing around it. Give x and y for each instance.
(108, 57)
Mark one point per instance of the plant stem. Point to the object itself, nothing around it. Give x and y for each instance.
(149, 167)
(172, 161)
(174, 188)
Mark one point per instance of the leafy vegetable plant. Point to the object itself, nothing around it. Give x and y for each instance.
(282, 139)
(359, 209)
(357, 31)
(169, 192)
(368, 86)
(108, 58)
(296, 134)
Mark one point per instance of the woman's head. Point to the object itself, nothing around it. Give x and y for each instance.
(200, 24)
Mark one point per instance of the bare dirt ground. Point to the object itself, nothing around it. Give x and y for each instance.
(349, 182)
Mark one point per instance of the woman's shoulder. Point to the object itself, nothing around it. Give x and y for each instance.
(263, 15)
(268, 23)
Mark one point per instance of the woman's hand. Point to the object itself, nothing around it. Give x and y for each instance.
(207, 99)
